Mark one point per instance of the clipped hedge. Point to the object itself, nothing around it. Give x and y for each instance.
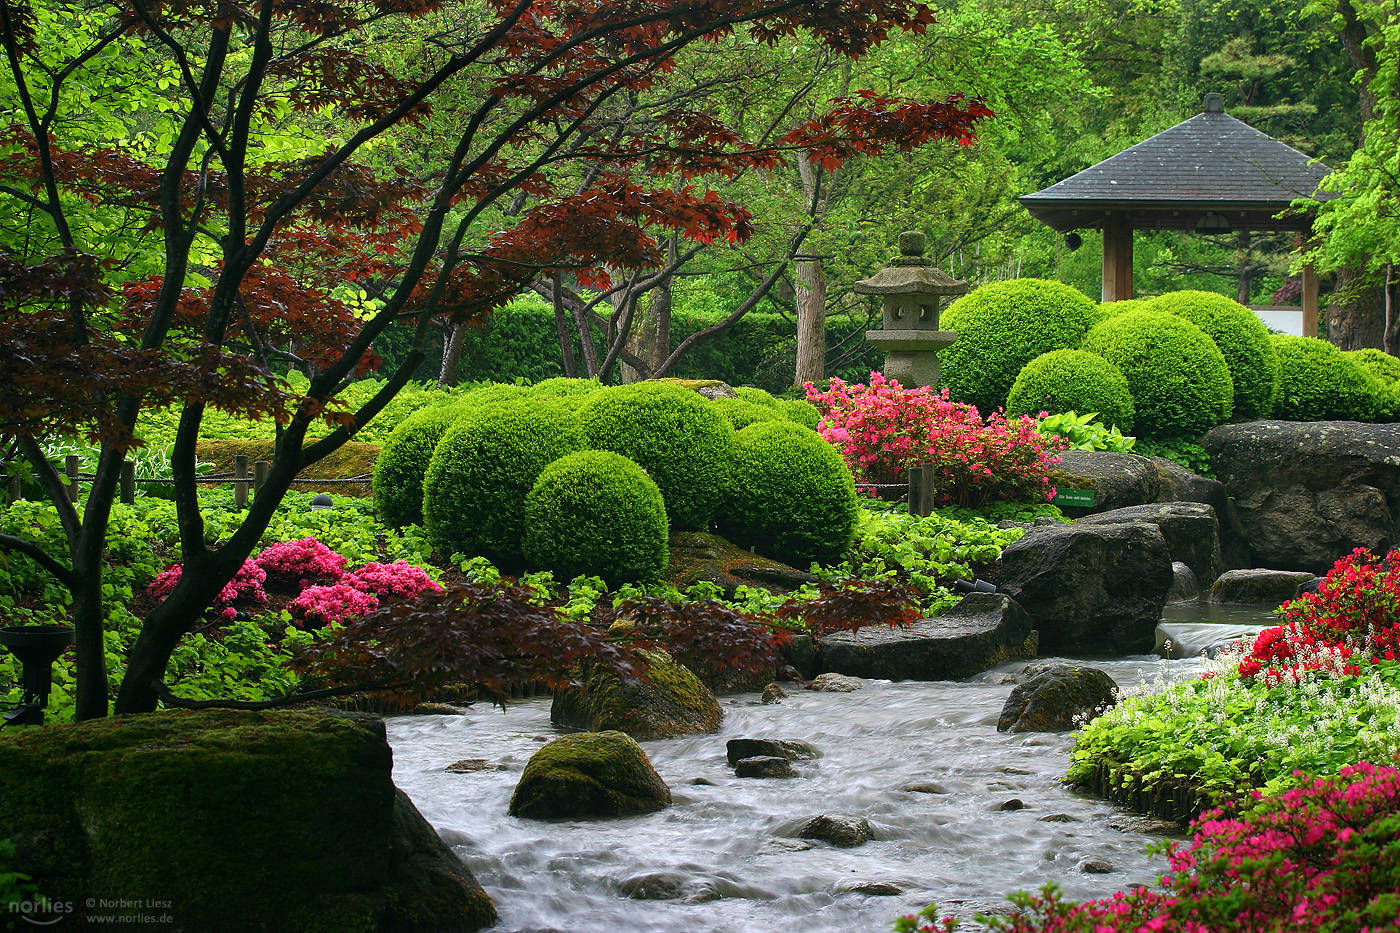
(1319, 382)
(596, 513)
(676, 435)
(1073, 380)
(1177, 376)
(482, 470)
(756, 395)
(791, 496)
(741, 413)
(1003, 326)
(403, 462)
(1243, 341)
(800, 412)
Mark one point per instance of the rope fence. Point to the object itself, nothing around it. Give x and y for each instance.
(243, 480)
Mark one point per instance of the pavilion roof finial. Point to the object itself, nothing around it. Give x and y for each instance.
(1214, 103)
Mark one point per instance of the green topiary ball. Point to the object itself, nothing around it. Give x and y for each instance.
(1176, 374)
(1243, 341)
(1386, 369)
(741, 413)
(791, 495)
(1073, 380)
(596, 513)
(482, 470)
(1318, 382)
(756, 395)
(675, 434)
(1110, 309)
(564, 387)
(800, 412)
(403, 461)
(1003, 326)
(491, 393)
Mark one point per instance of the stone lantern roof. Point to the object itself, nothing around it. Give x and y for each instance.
(911, 273)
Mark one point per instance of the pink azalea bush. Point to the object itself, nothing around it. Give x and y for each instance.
(245, 589)
(400, 580)
(320, 605)
(1352, 619)
(301, 563)
(883, 429)
(1321, 858)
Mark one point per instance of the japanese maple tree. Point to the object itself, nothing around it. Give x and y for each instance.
(203, 202)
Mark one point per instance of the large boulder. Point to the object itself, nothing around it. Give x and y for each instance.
(1058, 698)
(667, 701)
(1190, 529)
(701, 557)
(1090, 589)
(230, 820)
(980, 632)
(586, 775)
(1308, 493)
(1118, 479)
(1258, 587)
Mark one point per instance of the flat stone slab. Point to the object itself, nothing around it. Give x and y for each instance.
(1258, 587)
(982, 631)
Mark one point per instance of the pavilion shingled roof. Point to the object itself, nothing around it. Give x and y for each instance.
(1210, 162)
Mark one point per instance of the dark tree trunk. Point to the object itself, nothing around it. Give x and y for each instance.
(1356, 313)
(452, 355)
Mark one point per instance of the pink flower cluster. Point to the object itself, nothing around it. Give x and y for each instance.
(245, 589)
(295, 565)
(1354, 617)
(1321, 858)
(323, 591)
(883, 429)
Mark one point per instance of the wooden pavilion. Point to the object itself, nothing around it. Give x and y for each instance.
(1210, 174)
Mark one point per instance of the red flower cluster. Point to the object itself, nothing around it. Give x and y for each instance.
(883, 429)
(1353, 617)
(324, 592)
(1322, 858)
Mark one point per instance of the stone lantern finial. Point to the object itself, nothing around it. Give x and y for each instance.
(911, 290)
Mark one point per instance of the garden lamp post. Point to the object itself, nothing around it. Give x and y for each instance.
(912, 292)
(36, 647)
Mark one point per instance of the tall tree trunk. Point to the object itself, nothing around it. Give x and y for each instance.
(452, 355)
(561, 325)
(650, 339)
(1356, 311)
(810, 294)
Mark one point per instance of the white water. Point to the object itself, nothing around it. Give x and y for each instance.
(731, 846)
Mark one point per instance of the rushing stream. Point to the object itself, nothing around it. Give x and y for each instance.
(727, 853)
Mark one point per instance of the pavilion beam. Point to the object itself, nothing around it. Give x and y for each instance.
(1310, 301)
(1117, 257)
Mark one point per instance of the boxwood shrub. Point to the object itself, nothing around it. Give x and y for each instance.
(483, 468)
(1003, 326)
(1073, 380)
(1386, 369)
(675, 434)
(403, 462)
(800, 412)
(1318, 382)
(790, 495)
(596, 513)
(741, 413)
(1177, 376)
(565, 387)
(756, 395)
(1243, 341)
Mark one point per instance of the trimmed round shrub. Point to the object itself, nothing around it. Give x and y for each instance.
(757, 396)
(1110, 309)
(492, 393)
(1003, 326)
(482, 470)
(1243, 341)
(1177, 376)
(403, 461)
(741, 414)
(1073, 380)
(596, 513)
(564, 387)
(675, 434)
(791, 495)
(800, 412)
(1378, 363)
(1318, 382)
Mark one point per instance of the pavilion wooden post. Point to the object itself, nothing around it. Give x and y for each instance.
(1117, 258)
(1311, 327)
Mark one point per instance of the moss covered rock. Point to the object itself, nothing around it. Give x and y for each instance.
(239, 820)
(351, 460)
(589, 774)
(667, 701)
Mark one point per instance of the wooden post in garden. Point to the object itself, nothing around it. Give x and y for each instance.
(240, 480)
(70, 469)
(921, 490)
(128, 481)
(260, 470)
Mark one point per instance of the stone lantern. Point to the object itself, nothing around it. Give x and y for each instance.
(912, 292)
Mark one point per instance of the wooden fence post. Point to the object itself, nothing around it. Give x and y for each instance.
(128, 481)
(240, 480)
(70, 469)
(260, 470)
(921, 490)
